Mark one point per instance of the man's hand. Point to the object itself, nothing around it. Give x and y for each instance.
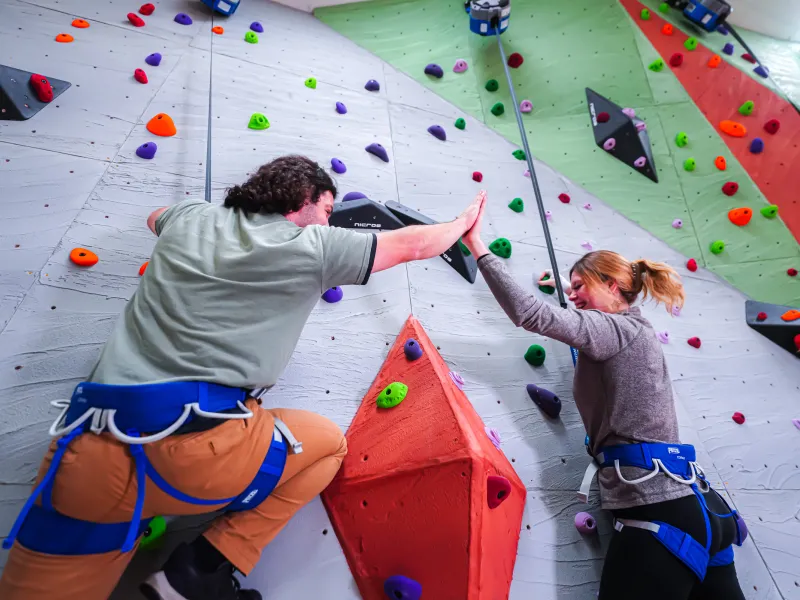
(472, 237)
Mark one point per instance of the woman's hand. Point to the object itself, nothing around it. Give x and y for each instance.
(472, 236)
(551, 282)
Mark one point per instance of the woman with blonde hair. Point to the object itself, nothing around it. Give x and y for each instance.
(673, 534)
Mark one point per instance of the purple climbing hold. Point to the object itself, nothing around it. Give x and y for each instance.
(663, 336)
(587, 245)
(434, 70)
(438, 132)
(352, 196)
(153, 59)
(147, 150)
(742, 528)
(183, 19)
(545, 399)
(761, 71)
(728, 49)
(412, 349)
(494, 436)
(629, 112)
(640, 162)
(548, 215)
(457, 379)
(378, 151)
(372, 86)
(677, 223)
(585, 523)
(757, 146)
(796, 423)
(609, 144)
(333, 295)
(400, 587)
(257, 27)
(587, 206)
(341, 108)
(526, 106)
(676, 311)
(460, 66)
(722, 29)
(338, 166)
(641, 125)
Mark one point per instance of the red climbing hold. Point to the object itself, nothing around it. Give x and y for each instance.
(749, 57)
(564, 198)
(730, 188)
(676, 60)
(477, 176)
(143, 268)
(497, 490)
(603, 117)
(762, 316)
(791, 272)
(42, 87)
(515, 60)
(135, 20)
(772, 126)
(147, 9)
(691, 264)
(694, 342)
(738, 417)
(140, 76)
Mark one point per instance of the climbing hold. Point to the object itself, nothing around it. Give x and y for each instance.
(333, 295)
(154, 532)
(83, 257)
(143, 268)
(218, 30)
(516, 205)
(730, 188)
(640, 162)
(147, 150)
(492, 85)
(65, 38)
(694, 342)
(676, 311)
(41, 86)
(728, 49)
(527, 173)
(717, 247)
(689, 164)
(564, 198)
(460, 66)
(372, 86)
(250, 37)
(438, 132)
(535, 355)
(715, 61)
(681, 139)
(515, 60)
(663, 7)
(311, 83)
(338, 166)
(549, 290)
(761, 71)
(791, 315)
(183, 19)
(501, 247)
(587, 206)
(399, 587)
(772, 126)
(720, 163)
(603, 117)
(677, 223)
(738, 417)
(548, 215)
(493, 436)
(609, 144)
(257, 27)
(80, 23)
(629, 112)
(498, 109)
(135, 20)
(690, 43)
(457, 379)
(749, 57)
(757, 146)
(791, 272)
(762, 316)
(497, 490)
(691, 265)
(667, 29)
(645, 14)
(740, 216)
(460, 123)
(412, 349)
(587, 245)
(585, 523)
(663, 336)
(341, 108)
(747, 108)
(796, 422)
(526, 106)
(434, 70)
(378, 150)
(676, 60)
(258, 122)
(147, 9)
(352, 196)
(657, 65)
(769, 211)
(518, 154)
(153, 59)
(162, 125)
(140, 76)
(477, 176)
(546, 400)
(392, 395)
(722, 29)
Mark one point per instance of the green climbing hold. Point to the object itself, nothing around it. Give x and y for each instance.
(392, 395)
(717, 247)
(460, 123)
(689, 164)
(546, 289)
(645, 14)
(519, 154)
(498, 109)
(681, 139)
(258, 121)
(311, 82)
(501, 247)
(250, 37)
(535, 355)
(746, 109)
(516, 205)
(492, 85)
(664, 7)
(770, 211)
(464, 250)
(690, 43)
(153, 534)
(657, 65)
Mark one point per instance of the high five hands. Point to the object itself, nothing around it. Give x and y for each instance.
(473, 217)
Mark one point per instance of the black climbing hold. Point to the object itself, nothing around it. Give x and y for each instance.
(378, 151)
(147, 151)
(545, 400)
(434, 70)
(412, 349)
(352, 196)
(438, 132)
(18, 101)
(773, 327)
(362, 213)
(372, 86)
(399, 587)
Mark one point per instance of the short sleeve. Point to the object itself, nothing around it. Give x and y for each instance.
(347, 256)
(176, 211)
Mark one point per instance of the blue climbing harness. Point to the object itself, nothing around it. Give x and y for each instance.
(128, 412)
(678, 462)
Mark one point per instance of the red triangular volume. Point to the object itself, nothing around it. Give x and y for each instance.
(418, 494)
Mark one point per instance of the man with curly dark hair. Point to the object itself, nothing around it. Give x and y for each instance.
(176, 393)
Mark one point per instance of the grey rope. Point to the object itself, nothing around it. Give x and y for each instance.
(208, 134)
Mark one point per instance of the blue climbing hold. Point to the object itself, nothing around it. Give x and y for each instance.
(412, 349)
(147, 150)
(546, 400)
(352, 196)
(728, 49)
(372, 86)
(378, 151)
(399, 587)
(338, 166)
(341, 108)
(434, 70)
(153, 59)
(257, 27)
(333, 295)
(438, 132)
(757, 146)
(761, 71)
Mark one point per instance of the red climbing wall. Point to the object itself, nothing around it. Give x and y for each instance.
(719, 93)
(411, 496)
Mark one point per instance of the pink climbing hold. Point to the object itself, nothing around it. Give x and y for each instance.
(796, 422)
(609, 144)
(629, 112)
(548, 215)
(140, 76)
(603, 117)
(676, 311)
(477, 176)
(640, 162)
(497, 490)
(641, 125)
(587, 206)
(738, 417)
(587, 245)
(564, 198)
(677, 223)
(527, 173)
(460, 66)
(457, 379)
(585, 523)
(494, 436)
(525, 106)
(694, 342)
(663, 336)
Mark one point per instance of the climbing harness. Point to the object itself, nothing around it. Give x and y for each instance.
(679, 463)
(138, 415)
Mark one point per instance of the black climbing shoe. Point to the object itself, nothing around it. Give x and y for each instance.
(182, 579)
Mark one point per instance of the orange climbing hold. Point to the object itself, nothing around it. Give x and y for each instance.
(162, 124)
(143, 268)
(667, 29)
(791, 315)
(740, 216)
(80, 23)
(218, 30)
(720, 163)
(715, 61)
(733, 129)
(83, 257)
(64, 38)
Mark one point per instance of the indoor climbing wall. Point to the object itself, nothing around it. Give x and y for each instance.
(71, 177)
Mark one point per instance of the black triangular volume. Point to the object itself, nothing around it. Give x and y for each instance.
(18, 101)
(465, 265)
(363, 213)
(773, 327)
(631, 143)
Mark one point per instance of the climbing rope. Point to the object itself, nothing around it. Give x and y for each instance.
(208, 133)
